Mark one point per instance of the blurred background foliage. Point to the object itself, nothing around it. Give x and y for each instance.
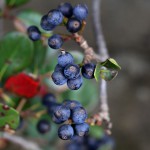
(126, 28)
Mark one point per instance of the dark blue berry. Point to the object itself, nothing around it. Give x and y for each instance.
(55, 41)
(72, 71)
(80, 11)
(62, 113)
(48, 99)
(79, 115)
(45, 24)
(73, 25)
(71, 104)
(74, 84)
(88, 70)
(58, 78)
(74, 146)
(52, 107)
(65, 58)
(56, 120)
(43, 126)
(34, 33)
(58, 68)
(65, 132)
(81, 129)
(66, 9)
(55, 17)
(91, 143)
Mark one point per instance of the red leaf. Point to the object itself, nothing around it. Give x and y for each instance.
(23, 85)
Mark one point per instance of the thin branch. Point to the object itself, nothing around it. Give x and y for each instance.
(98, 30)
(89, 53)
(28, 145)
(103, 52)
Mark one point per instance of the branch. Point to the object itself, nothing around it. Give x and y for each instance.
(28, 145)
(103, 52)
(89, 53)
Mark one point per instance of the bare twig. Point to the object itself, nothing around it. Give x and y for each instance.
(21, 104)
(103, 52)
(28, 145)
(89, 53)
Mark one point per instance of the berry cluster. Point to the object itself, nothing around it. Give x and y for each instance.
(71, 17)
(90, 143)
(70, 111)
(73, 112)
(66, 71)
(65, 14)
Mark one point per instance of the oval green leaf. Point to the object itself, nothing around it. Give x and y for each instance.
(108, 75)
(97, 71)
(29, 18)
(111, 64)
(8, 116)
(17, 53)
(15, 3)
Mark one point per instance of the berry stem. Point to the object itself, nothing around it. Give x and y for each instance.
(35, 106)
(40, 113)
(103, 52)
(21, 104)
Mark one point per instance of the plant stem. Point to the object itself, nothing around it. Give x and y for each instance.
(40, 113)
(21, 141)
(88, 51)
(21, 104)
(7, 99)
(103, 52)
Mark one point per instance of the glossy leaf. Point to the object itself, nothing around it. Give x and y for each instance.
(15, 3)
(87, 95)
(40, 52)
(29, 17)
(97, 71)
(78, 56)
(32, 132)
(8, 116)
(111, 64)
(108, 75)
(17, 51)
(50, 61)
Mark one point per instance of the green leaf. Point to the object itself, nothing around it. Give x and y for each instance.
(111, 64)
(108, 75)
(32, 132)
(29, 17)
(39, 56)
(97, 71)
(78, 56)
(17, 53)
(50, 61)
(8, 116)
(15, 3)
(96, 131)
(87, 95)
